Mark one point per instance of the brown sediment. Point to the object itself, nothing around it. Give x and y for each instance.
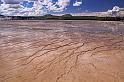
(61, 51)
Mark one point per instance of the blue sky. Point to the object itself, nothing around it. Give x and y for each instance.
(41, 7)
(89, 5)
(101, 5)
(95, 5)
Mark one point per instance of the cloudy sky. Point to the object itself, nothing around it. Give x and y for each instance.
(41, 7)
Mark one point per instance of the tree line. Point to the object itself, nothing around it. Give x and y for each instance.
(65, 17)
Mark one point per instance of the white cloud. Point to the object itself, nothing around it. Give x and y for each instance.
(12, 1)
(40, 7)
(77, 3)
(9, 9)
(0, 2)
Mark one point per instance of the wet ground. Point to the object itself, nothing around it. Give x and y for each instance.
(61, 51)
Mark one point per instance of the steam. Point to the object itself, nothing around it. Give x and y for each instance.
(115, 11)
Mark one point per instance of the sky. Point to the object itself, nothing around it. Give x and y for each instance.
(42, 7)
